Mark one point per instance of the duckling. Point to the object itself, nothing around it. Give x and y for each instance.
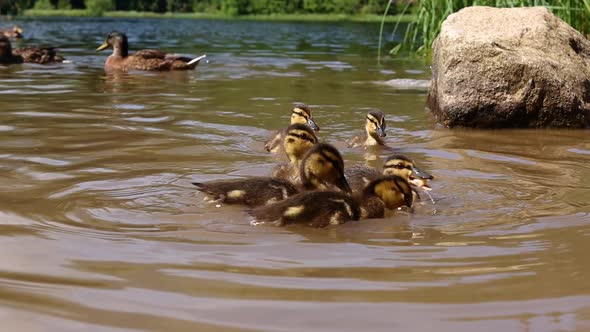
(359, 175)
(301, 114)
(374, 131)
(298, 139)
(321, 168)
(323, 208)
(26, 54)
(385, 192)
(16, 32)
(147, 60)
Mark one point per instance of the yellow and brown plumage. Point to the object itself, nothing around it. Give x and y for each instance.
(385, 192)
(319, 171)
(145, 60)
(359, 175)
(298, 139)
(323, 208)
(374, 131)
(301, 113)
(16, 32)
(40, 55)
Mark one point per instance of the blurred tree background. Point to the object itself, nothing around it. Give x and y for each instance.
(228, 7)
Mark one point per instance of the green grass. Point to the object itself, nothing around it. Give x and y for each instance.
(274, 17)
(56, 12)
(429, 15)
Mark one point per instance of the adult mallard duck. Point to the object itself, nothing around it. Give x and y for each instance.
(8, 55)
(323, 208)
(16, 32)
(374, 131)
(321, 169)
(301, 113)
(147, 60)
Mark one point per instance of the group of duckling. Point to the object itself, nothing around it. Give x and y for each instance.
(119, 60)
(314, 187)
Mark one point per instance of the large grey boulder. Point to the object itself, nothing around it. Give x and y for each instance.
(510, 67)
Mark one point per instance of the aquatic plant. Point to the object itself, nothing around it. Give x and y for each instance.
(429, 15)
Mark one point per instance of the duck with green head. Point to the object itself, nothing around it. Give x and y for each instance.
(144, 60)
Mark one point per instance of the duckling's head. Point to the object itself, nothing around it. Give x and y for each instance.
(299, 138)
(393, 190)
(5, 46)
(322, 167)
(17, 31)
(118, 42)
(406, 168)
(375, 125)
(302, 114)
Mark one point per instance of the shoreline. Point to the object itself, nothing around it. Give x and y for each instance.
(32, 13)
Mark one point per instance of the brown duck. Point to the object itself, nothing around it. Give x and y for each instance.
(147, 60)
(26, 54)
(16, 32)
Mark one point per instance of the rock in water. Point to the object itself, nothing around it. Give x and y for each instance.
(510, 67)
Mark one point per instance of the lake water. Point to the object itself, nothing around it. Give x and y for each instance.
(101, 229)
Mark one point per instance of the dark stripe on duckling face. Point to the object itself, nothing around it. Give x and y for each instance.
(302, 114)
(302, 136)
(393, 190)
(377, 118)
(397, 164)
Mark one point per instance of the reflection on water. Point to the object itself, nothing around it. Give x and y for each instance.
(101, 228)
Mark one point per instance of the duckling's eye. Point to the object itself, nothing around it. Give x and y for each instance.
(301, 115)
(402, 166)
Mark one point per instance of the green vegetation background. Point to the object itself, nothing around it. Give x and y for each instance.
(206, 7)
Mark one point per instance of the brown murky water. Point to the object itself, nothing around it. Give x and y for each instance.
(100, 228)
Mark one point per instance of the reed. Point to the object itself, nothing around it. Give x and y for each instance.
(429, 15)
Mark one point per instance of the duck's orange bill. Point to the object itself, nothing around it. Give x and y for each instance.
(102, 47)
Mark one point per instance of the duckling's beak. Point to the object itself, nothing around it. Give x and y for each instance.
(311, 124)
(381, 132)
(102, 47)
(343, 184)
(418, 173)
(419, 178)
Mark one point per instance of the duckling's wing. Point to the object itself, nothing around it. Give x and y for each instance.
(39, 55)
(253, 191)
(273, 144)
(150, 54)
(317, 208)
(355, 141)
(358, 175)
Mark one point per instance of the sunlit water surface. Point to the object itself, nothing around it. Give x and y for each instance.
(101, 229)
